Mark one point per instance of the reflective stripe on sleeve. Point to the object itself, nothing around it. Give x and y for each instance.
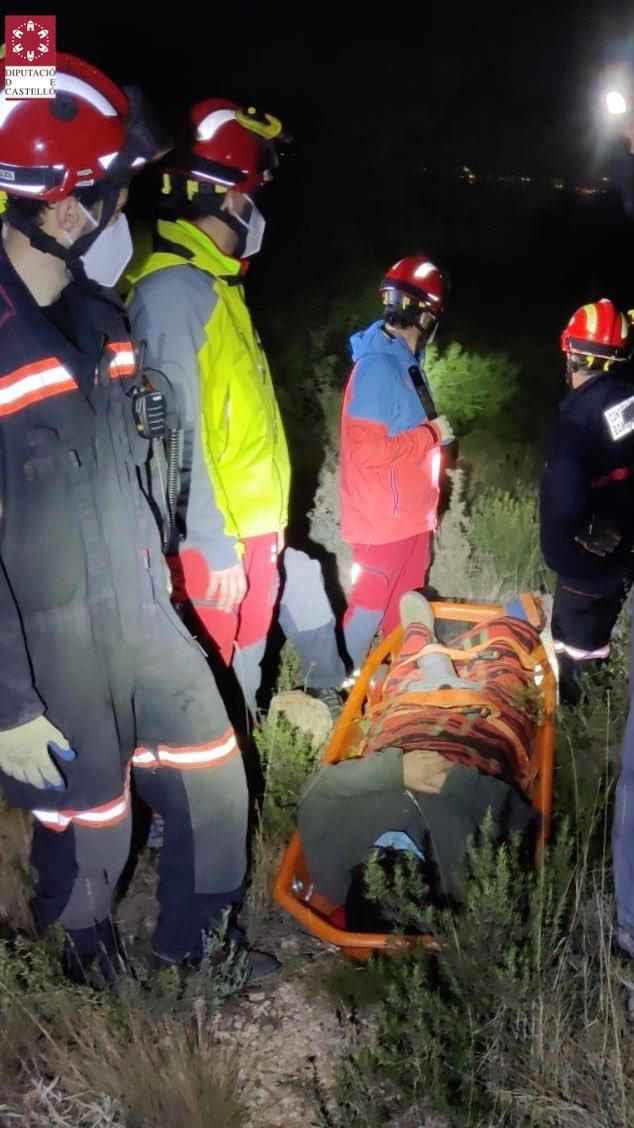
(32, 383)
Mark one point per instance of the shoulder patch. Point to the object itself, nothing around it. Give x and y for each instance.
(620, 419)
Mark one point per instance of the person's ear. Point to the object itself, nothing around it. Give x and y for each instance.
(69, 216)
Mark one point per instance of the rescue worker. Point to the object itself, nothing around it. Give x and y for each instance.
(587, 492)
(189, 308)
(97, 671)
(391, 453)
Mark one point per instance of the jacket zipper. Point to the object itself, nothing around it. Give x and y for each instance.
(394, 493)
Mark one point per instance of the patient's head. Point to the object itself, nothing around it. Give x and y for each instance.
(384, 885)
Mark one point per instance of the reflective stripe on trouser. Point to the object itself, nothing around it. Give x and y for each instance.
(382, 573)
(152, 691)
(578, 654)
(584, 614)
(308, 622)
(100, 817)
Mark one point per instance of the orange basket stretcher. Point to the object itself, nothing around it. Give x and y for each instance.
(293, 889)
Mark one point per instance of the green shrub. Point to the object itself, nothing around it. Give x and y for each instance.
(503, 527)
(489, 549)
(469, 387)
(519, 1020)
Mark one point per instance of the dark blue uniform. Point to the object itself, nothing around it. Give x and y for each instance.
(88, 636)
(587, 495)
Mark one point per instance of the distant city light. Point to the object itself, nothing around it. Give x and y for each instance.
(615, 102)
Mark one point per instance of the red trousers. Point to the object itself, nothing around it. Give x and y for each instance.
(382, 574)
(250, 623)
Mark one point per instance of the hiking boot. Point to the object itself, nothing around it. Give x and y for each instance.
(415, 608)
(104, 969)
(332, 698)
(240, 965)
(260, 965)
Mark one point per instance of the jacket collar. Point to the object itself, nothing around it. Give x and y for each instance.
(92, 313)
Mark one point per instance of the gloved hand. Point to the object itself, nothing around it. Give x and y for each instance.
(444, 429)
(599, 540)
(25, 755)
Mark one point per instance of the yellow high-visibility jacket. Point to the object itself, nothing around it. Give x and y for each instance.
(188, 306)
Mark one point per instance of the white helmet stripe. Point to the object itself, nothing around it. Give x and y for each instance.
(69, 84)
(424, 270)
(211, 124)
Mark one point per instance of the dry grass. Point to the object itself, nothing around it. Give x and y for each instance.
(15, 889)
(69, 1057)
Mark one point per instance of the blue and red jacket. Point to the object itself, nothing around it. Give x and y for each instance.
(390, 451)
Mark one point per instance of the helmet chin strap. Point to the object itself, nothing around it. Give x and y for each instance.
(426, 333)
(70, 256)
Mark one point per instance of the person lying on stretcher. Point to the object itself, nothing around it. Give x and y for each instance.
(446, 743)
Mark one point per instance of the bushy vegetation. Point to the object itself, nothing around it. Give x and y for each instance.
(519, 1019)
(75, 1059)
(469, 387)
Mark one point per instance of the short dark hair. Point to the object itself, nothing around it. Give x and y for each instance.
(20, 208)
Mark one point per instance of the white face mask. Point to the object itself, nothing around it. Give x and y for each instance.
(255, 233)
(106, 259)
(254, 224)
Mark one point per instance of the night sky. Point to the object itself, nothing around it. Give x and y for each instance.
(483, 84)
(384, 115)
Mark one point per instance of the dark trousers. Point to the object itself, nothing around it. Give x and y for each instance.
(134, 694)
(584, 614)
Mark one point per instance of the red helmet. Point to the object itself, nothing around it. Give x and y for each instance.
(413, 282)
(598, 329)
(230, 147)
(91, 133)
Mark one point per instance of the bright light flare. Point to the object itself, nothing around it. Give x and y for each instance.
(615, 102)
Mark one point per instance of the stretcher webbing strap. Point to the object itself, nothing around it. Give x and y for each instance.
(493, 728)
(528, 660)
(465, 699)
(188, 757)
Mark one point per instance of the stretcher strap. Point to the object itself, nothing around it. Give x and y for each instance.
(459, 699)
(527, 659)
